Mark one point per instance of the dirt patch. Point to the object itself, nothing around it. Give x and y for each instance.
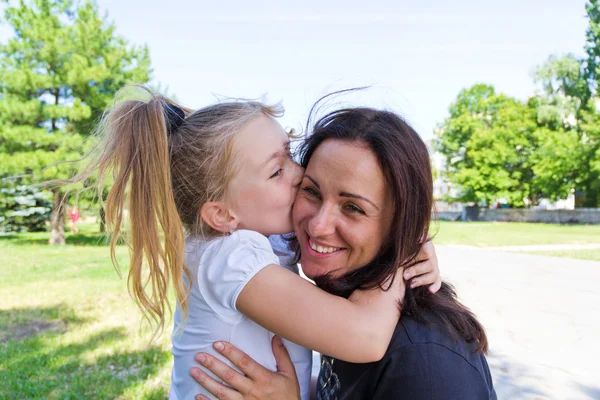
(30, 328)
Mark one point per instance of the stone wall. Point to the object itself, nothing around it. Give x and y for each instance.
(576, 216)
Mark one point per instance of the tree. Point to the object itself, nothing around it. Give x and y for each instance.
(57, 75)
(487, 141)
(568, 145)
(592, 48)
(23, 209)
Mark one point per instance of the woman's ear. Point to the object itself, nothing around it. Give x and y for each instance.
(218, 216)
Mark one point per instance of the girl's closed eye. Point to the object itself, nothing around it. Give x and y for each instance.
(277, 173)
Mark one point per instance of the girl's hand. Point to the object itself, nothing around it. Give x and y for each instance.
(258, 382)
(425, 270)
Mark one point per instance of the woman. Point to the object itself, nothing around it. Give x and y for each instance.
(367, 190)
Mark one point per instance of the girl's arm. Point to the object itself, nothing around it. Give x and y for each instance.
(357, 329)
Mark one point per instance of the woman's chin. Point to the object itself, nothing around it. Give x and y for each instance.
(313, 270)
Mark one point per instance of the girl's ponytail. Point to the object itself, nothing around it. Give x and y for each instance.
(135, 149)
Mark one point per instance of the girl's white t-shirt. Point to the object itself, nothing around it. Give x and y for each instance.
(220, 269)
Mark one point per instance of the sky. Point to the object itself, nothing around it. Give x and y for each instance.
(416, 56)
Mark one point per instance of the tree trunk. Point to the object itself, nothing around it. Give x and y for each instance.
(591, 198)
(57, 219)
(591, 190)
(56, 101)
(102, 219)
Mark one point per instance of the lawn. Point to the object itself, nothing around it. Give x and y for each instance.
(487, 234)
(68, 328)
(583, 254)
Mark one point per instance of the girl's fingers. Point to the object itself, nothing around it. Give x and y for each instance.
(424, 280)
(416, 270)
(217, 389)
(433, 288)
(425, 263)
(427, 251)
(225, 372)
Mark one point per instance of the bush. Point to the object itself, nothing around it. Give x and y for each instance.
(24, 209)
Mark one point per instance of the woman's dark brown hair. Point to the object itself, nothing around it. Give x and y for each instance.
(404, 160)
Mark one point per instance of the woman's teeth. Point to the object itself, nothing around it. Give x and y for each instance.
(321, 249)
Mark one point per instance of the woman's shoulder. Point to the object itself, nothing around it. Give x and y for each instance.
(437, 353)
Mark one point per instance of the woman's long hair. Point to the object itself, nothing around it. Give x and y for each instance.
(404, 160)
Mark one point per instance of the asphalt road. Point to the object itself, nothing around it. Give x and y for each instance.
(542, 317)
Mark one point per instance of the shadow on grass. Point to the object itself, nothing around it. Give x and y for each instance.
(75, 239)
(40, 366)
(21, 323)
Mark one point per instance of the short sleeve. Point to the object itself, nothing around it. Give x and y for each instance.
(227, 265)
(281, 248)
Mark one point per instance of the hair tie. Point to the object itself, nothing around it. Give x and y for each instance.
(174, 117)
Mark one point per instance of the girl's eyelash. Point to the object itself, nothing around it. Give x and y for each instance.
(276, 174)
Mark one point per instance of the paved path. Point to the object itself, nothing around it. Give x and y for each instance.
(542, 315)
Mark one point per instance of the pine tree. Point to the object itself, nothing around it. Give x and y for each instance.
(58, 73)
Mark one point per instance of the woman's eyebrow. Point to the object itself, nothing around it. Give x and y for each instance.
(344, 194)
(313, 181)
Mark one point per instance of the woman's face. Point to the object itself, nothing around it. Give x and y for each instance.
(343, 210)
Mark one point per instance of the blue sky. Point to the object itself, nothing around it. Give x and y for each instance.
(418, 55)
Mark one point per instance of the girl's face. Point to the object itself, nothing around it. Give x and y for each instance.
(264, 188)
(343, 210)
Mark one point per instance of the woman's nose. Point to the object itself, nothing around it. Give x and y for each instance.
(323, 222)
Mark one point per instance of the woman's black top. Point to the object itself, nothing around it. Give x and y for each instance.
(421, 363)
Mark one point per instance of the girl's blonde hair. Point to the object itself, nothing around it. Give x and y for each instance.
(163, 179)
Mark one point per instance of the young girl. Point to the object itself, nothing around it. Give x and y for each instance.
(204, 191)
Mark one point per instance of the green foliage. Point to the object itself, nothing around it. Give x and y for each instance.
(58, 73)
(564, 90)
(487, 144)
(24, 209)
(592, 46)
(567, 134)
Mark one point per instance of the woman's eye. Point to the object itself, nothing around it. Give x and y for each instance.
(355, 209)
(276, 174)
(311, 192)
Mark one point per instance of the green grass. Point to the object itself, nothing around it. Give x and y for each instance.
(585, 254)
(68, 328)
(487, 234)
